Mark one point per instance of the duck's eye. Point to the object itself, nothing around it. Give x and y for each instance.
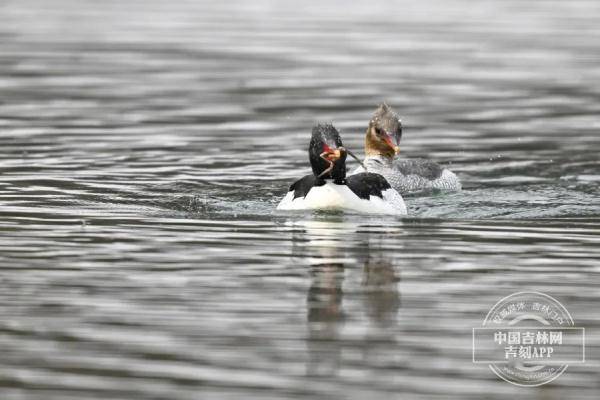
(378, 131)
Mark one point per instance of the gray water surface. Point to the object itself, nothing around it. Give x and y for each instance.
(145, 145)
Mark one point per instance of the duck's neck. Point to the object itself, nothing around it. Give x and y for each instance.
(379, 158)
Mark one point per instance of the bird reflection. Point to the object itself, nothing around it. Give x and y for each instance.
(324, 313)
(382, 296)
(337, 296)
(325, 293)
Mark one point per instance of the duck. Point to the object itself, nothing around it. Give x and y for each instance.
(382, 141)
(328, 187)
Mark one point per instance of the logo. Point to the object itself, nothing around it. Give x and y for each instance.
(528, 339)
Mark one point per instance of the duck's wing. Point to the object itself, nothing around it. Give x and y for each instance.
(298, 190)
(425, 174)
(302, 186)
(420, 167)
(367, 184)
(376, 189)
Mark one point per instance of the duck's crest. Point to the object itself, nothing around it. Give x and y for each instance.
(383, 110)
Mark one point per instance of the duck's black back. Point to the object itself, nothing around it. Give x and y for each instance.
(363, 185)
(367, 184)
(303, 185)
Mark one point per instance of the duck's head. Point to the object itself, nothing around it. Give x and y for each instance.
(327, 154)
(384, 133)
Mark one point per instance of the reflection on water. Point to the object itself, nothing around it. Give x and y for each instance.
(144, 146)
(378, 292)
(325, 316)
(382, 296)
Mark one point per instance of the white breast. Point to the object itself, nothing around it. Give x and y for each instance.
(339, 197)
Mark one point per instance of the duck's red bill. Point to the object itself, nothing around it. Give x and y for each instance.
(388, 139)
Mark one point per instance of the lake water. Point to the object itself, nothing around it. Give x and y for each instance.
(145, 145)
